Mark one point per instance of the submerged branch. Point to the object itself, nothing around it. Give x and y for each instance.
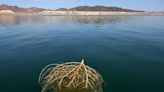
(70, 77)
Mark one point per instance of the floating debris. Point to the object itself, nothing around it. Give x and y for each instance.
(70, 77)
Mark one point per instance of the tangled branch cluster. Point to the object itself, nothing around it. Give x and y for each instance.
(70, 77)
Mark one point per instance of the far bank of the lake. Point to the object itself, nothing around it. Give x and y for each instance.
(95, 13)
(10, 12)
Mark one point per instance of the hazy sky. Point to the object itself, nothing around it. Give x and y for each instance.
(148, 5)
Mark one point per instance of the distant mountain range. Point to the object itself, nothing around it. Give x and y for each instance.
(17, 9)
(98, 8)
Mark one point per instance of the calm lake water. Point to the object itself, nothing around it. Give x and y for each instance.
(127, 50)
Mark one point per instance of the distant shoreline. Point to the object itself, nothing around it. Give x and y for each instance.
(79, 10)
(96, 13)
(54, 12)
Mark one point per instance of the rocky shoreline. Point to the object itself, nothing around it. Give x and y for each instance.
(94, 13)
(9, 12)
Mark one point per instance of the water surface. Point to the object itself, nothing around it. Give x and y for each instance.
(127, 50)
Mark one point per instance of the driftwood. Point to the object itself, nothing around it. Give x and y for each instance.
(70, 77)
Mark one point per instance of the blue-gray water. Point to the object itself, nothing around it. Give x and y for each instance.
(127, 50)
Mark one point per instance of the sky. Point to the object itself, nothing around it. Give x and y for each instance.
(146, 5)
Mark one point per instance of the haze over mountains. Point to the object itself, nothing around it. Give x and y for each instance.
(18, 9)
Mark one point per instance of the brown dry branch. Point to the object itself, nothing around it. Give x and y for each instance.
(70, 77)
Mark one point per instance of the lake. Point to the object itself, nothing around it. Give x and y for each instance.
(128, 51)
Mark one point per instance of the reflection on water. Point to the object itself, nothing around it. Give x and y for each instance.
(92, 19)
(8, 20)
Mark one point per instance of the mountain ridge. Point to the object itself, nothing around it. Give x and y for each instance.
(102, 8)
(18, 9)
